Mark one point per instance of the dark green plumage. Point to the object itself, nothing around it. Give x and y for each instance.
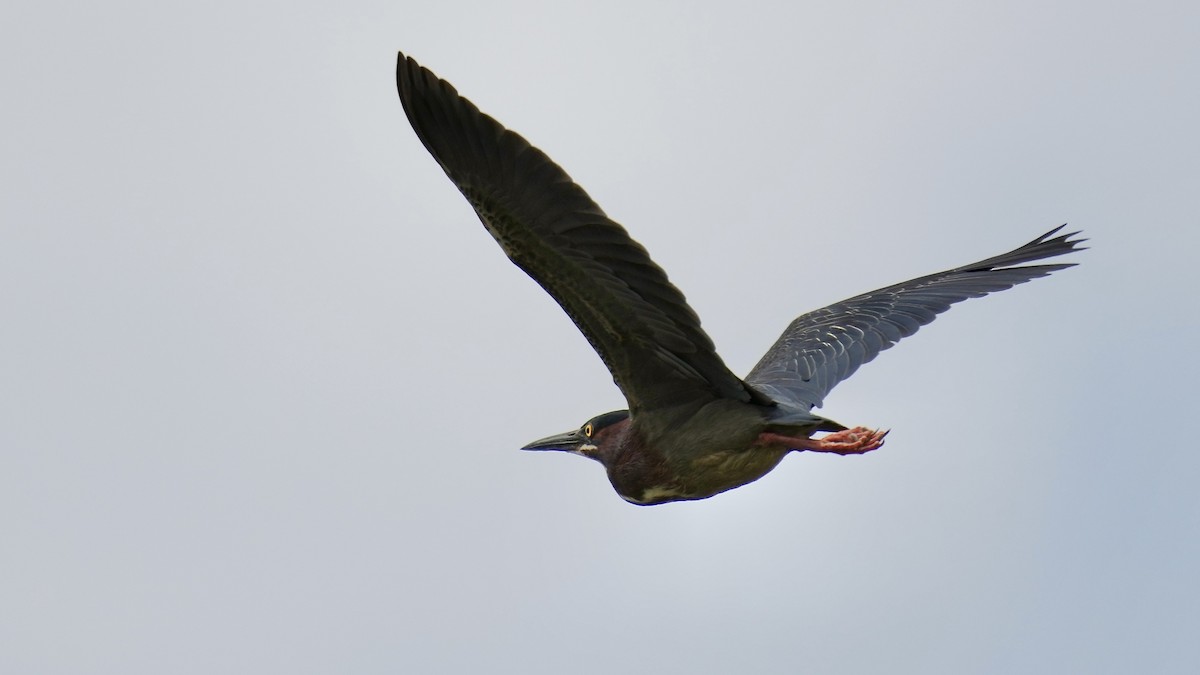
(693, 428)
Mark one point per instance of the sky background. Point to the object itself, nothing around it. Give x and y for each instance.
(264, 376)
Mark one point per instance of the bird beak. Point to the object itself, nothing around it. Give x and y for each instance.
(565, 442)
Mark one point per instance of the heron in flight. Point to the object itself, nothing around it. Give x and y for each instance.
(693, 429)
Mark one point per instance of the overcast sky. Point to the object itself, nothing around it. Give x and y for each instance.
(264, 376)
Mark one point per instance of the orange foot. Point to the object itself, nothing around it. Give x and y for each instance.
(854, 441)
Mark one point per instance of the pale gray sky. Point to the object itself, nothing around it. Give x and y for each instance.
(263, 375)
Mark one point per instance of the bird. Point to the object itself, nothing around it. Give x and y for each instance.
(692, 428)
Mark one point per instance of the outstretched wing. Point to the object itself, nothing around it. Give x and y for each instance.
(824, 347)
(637, 321)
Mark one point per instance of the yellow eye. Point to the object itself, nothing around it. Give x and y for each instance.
(587, 430)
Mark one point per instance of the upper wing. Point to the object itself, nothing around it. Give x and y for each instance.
(824, 347)
(635, 319)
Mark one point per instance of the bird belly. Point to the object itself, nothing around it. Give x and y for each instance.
(706, 476)
(658, 494)
(723, 471)
(709, 451)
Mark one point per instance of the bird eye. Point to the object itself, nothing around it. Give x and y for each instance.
(587, 430)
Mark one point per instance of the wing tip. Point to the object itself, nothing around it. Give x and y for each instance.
(1063, 241)
(1049, 245)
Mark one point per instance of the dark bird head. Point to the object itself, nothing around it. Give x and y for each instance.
(598, 438)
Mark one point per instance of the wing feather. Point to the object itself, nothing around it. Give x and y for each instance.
(639, 323)
(822, 348)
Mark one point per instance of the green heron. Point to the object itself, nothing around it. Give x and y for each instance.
(693, 429)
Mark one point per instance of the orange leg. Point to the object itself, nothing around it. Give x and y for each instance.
(854, 441)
